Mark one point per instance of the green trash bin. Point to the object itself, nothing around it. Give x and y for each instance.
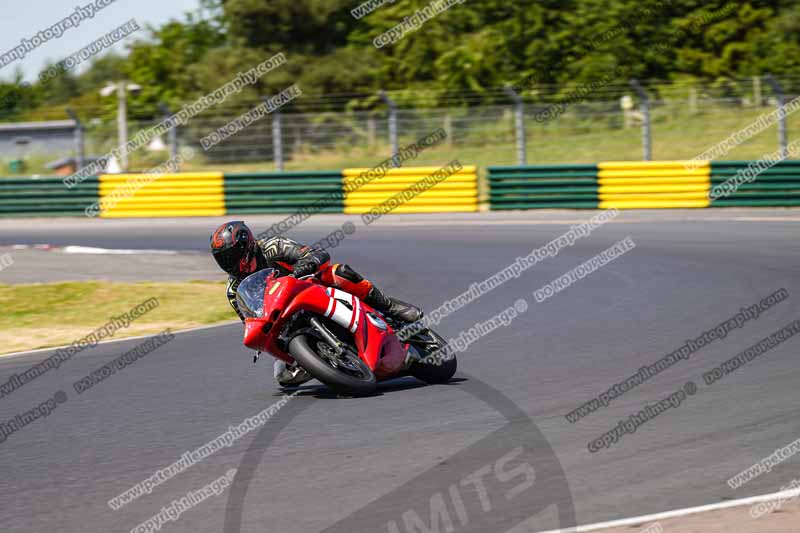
(16, 166)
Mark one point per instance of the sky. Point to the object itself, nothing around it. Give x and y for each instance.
(25, 18)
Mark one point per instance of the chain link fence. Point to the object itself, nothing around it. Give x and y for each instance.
(577, 124)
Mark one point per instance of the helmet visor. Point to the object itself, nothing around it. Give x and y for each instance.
(229, 260)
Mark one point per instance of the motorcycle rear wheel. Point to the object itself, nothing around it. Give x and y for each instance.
(438, 363)
(351, 375)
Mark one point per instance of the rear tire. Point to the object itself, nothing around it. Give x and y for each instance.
(301, 348)
(438, 368)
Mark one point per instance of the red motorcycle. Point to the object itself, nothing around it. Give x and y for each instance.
(334, 336)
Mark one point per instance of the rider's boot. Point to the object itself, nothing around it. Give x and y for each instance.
(392, 307)
(289, 375)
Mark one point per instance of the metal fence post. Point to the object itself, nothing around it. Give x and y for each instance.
(645, 107)
(370, 131)
(392, 123)
(277, 140)
(122, 124)
(757, 98)
(80, 151)
(519, 125)
(781, 98)
(172, 135)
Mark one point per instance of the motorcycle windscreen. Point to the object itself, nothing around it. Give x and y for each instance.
(250, 293)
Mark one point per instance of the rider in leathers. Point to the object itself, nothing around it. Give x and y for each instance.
(240, 254)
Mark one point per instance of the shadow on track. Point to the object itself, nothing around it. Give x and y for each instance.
(322, 392)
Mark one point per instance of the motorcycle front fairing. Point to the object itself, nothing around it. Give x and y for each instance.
(375, 340)
(250, 299)
(269, 301)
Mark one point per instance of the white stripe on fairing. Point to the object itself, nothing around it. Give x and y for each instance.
(339, 294)
(351, 327)
(347, 318)
(357, 305)
(342, 315)
(331, 303)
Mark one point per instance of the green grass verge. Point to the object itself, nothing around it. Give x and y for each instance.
(53, 314)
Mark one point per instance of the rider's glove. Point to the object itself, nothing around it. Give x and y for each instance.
(304, 267)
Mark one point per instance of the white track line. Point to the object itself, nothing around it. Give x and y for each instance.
(640, 520)
(52, 348)
(73, 249)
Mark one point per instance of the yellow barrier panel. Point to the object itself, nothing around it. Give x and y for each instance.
(166, 191)
(441, 196)
(406, 171)
(665, 197)
(157, 213)
(673, 180)
(653, 165)
(456, 193)
(405, 209)
(653, 184)
(182, 176)
(654, 173)
(433, 209)
(162, 195)
(654, 188)
(169, 201)
(453, 182)
(652, 204)
(164, 184)
(469, 202)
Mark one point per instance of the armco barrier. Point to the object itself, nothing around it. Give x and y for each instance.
(163, 195)
(283, 192)
(543, 187)
(632, 185)
(639, 185)
(653, 184)
(456, 193)
(45, 197)
(216, 194)
(776, 186)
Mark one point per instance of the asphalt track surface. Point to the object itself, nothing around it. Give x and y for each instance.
(337, 456)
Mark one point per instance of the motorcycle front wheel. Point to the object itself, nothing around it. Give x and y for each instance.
(345, 373)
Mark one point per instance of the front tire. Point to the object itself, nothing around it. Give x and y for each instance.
(356, 378)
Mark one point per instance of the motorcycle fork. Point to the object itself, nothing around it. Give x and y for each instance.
(327, 336)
